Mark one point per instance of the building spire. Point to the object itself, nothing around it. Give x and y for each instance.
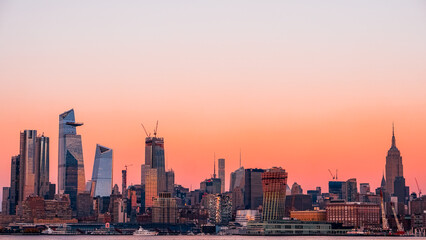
(240, 157)
(393, 135)
(214, 165)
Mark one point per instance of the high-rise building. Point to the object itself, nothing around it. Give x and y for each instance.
(394, 166)
(71, 178)
(296, 189)
(149, 180)
(14, 184)
(27, 168)
(253, 191)
(164, 209)
(364, 188)
(211, 186)
(237, 189)
(102, 171)
(170, 181)
(124, 182)
(400, 189)
(42, 166)
(5, 204)
(350, 190)
(274, 182)
(154, 157)
(221, 166)
(335, 189)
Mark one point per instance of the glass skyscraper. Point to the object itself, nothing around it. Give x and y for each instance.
(27, 168)
(274, 183)
(154, 157)
(42, 169)
(102, 172)
(71, 179)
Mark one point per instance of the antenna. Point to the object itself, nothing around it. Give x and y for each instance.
(240, 157)
(214, 165)
(148, 135)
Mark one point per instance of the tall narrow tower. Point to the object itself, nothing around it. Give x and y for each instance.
(71, 178)
(221, 167)
(102, 172)
(394, 166)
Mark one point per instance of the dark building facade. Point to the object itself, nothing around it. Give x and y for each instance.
(393, 166)
(253, 191)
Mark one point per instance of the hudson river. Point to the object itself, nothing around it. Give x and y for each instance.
(111, 237)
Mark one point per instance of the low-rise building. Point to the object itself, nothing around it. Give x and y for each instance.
(354, 214)
(313, 216)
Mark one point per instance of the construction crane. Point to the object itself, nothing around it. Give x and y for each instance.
(147, 135)
(334, 177)
(398, 224)
(128, 166)
(418, 188)
(385, 224)
(155, 130)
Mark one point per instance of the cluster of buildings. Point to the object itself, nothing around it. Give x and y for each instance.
(259, 201)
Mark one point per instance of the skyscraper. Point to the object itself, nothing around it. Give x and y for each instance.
(274, 182)
(102, 172)
(154, 157)
(149, 180)
(253, 192)
(394, 166)
(221, 166)
(27, 168)
(42, 166)
(71, 178)
(170, 181)
(14, 184)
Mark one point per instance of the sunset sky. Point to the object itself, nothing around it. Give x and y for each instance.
(305, 85)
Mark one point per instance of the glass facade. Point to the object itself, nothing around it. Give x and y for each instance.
(102, 172)
(221, 166)
(274, 183)
(149, 180)
(42, 170)
(71, 178)
(27, 164)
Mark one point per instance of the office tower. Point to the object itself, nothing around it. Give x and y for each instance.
(364, 188)
(149, 180)
(170, 181)
(253, 191)
(164, 209)
(296, 189)
(124, 182)
(27, 162)
(350, 190)
(237, 188)
(394, 166)
(274, 183)
(5, 204)
(42, 166)
(221, 166)
(399, 189)
(14, 184)
(211, 186)
(102, 171)
(154, 157)
(71, 178)
(335, 189)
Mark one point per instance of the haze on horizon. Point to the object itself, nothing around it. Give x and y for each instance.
(308, 86)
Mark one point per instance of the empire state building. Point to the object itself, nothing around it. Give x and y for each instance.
(393, 165)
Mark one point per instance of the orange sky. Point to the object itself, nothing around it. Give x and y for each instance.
(304, 87)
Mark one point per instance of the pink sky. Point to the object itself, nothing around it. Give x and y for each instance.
(306, 86)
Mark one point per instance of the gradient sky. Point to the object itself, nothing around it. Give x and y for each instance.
(306, 85)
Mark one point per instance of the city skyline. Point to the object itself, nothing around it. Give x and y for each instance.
(307, 87)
